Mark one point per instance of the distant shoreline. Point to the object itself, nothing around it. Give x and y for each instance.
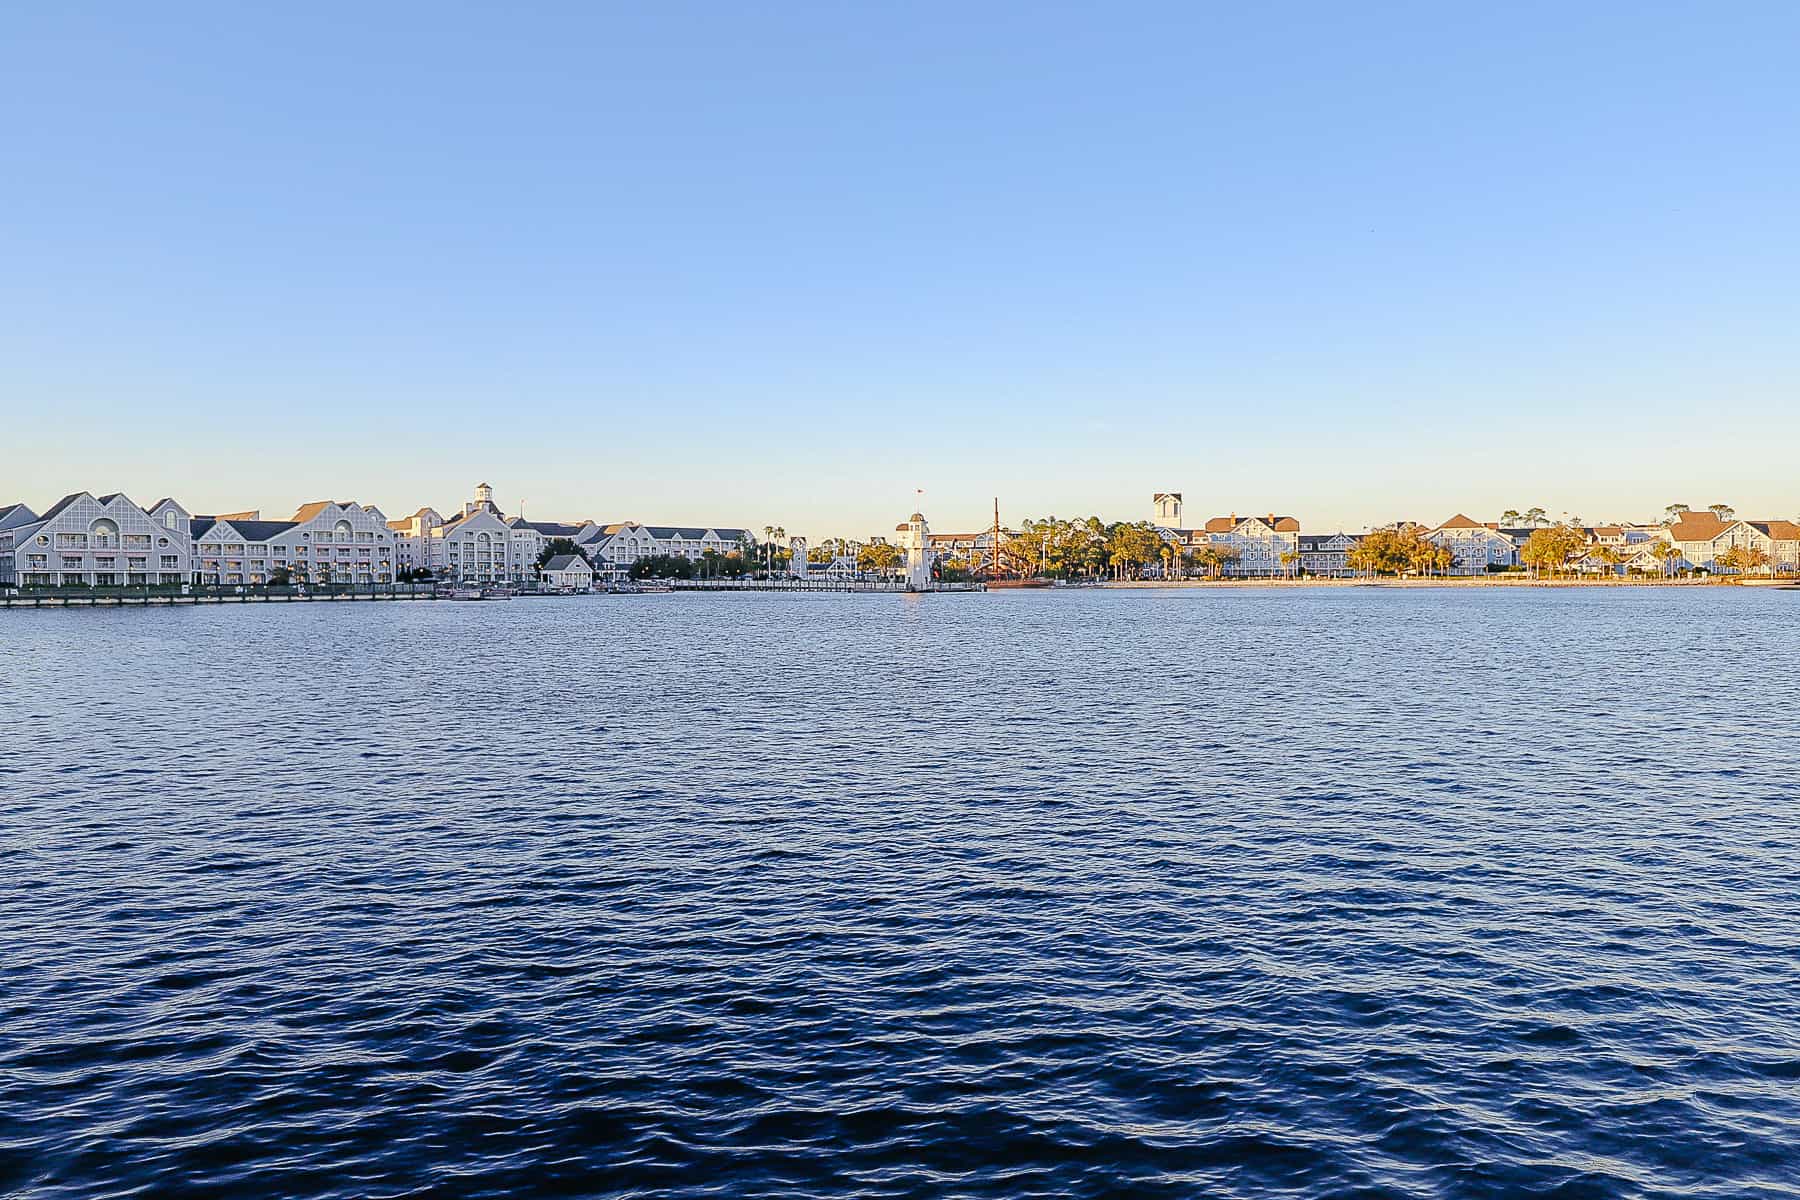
(1466, 581)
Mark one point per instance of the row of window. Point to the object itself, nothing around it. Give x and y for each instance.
(101, 579)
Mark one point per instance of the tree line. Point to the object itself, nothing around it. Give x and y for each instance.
(1089, 548)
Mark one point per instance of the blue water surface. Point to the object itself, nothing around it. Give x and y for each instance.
(1202, 893)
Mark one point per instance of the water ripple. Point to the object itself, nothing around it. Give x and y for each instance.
(1237, 894)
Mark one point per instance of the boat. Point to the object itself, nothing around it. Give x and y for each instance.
(1017, 583)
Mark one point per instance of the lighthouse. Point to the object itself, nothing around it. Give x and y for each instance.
(915, 541)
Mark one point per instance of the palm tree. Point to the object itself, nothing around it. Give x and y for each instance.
(1288, 559)
(1668, 552)
(1610, 556)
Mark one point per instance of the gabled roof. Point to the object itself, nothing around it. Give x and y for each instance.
(547, 528)
(1699, 527)
(15, 514)
(691, 533)
(1459, 521)
(1227, 524)
(56, 510)
(250, 531)
(308, 511)
(463, 518)
(262, 531)
(163, 501)
(567, 562)
(1781, 531)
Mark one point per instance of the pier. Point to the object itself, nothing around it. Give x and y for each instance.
(140, 598)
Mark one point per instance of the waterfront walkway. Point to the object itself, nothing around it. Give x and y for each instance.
(126, 597)
(812, 585)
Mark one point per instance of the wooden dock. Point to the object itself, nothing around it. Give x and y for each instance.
(129, 599)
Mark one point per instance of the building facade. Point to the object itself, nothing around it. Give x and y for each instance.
(1260, 544)
(414, 539)
(613, 548)
(1703, 537)
(1327, 554)
(325, 542)
(1474, 548)
(568, 572)
(84, 540)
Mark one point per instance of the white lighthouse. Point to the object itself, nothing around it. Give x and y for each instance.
(915, 541)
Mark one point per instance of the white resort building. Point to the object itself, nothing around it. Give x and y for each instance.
(1261, 546)
(1474, 547)
(94, 541)
(327, 541)
(482, 544)
(1702, 537)
(613, 548)
(1261, 543)
(1327, 554)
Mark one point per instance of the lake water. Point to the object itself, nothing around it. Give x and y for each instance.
(1333, 893)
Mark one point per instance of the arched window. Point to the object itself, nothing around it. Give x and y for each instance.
(169, 519)
(343, 531)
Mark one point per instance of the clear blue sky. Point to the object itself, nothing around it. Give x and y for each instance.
(758, 263)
